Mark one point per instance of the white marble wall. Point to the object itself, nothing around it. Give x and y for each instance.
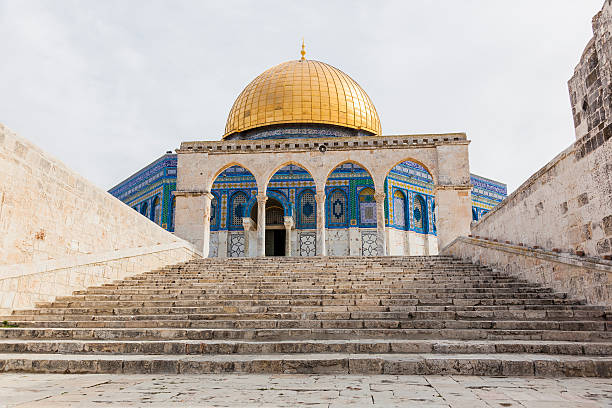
(337, 242)
(411, 243)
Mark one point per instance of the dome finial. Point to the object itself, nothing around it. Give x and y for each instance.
(303, 52)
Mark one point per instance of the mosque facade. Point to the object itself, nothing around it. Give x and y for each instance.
(303, 146)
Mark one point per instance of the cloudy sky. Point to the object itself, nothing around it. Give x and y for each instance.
(109, 86)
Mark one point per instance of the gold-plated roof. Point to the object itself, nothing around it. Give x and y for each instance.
(303, 91)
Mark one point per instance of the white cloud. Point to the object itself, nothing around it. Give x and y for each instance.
(108, 86)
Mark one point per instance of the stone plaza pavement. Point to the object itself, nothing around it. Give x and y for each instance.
(236, 390)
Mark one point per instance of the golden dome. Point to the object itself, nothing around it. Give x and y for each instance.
(303, 91)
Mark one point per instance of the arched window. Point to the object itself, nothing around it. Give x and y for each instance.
(307, 210)
(213, 212)
(433, 217)
(156, 214)
(367, 207)
(337, 208)
(399, 212)
(144, 209)
(275, 215)
(474, 214)
(239, 200)
(172, 213)
(419, 214)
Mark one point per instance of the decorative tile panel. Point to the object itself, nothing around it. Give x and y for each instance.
(308, 244)
(235, 245)
(368, 244)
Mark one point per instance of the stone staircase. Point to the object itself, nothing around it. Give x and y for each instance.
(385, 315)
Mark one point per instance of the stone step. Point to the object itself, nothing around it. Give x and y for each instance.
(288, 303)
(496, 364)
(561, 311)
(237, 296)
(361, 346)
(322, 279)
(301, 334)
(272, 299)
(330, 324)
(368, 315)
(572, 315)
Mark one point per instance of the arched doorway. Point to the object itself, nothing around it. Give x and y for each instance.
(276, 236)
(293, 190)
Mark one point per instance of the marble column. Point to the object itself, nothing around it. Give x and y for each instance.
(381, 235)
(321, 244)
(288, 227)
(261, 224)
(207, 200)
(248, 225)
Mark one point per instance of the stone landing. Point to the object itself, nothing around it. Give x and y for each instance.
(313, 391)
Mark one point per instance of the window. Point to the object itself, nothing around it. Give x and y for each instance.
(433, 217)
(367, 207)
(156, 214)
(474, 214)
(275, 215)
(172, 212)
(213, 212)
(144, 209)
(307, 210)
(419, 214)
(239, 200)
(399, 213)
(337, 206)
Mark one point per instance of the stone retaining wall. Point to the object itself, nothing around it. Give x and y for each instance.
(580, 277)
(47, 211)
(22, 285)
(566, 205)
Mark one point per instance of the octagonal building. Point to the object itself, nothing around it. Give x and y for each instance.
(302, 169)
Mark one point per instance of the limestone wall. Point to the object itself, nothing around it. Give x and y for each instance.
(589, 279)
(47, 211)
(60, 233)
(22, 285)
(566, 205)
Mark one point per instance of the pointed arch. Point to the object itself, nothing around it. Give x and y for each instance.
(352, 162)
(227, 166)
(270, 174)
(350, 177)
(412, 160)
(234, 178)
(287, 184)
